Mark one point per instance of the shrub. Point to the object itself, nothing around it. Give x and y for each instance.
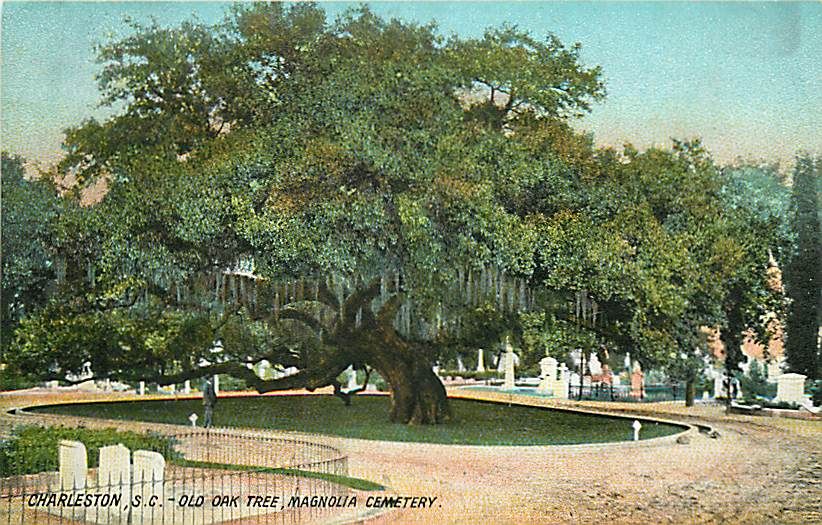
(815, 390)
(11, 380)
(755, 383)
(33, 449)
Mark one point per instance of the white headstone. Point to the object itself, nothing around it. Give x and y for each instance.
(509, 366)
(564, 382)
(114, 472)
(73, 465)
(637, 426)
(149, 469)
(575, 379)
(352, 378)
(719, 386)
(141, 389)
(187, 387)
(790, 388)
(594, 365)
(548, 375)
(148, 477)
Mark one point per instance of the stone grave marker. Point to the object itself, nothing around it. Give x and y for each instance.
(480, 361)
(114, 474)
(352, 378)
(564, 382)
(73, 465)
(790, 388)
(548, 375)
(509, 367)
(149, 469)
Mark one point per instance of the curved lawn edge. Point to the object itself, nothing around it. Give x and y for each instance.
(689, 429)
(496, 398)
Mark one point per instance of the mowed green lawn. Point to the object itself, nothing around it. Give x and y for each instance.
(476, 423)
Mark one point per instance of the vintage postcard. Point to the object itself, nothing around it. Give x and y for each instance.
(410, 262)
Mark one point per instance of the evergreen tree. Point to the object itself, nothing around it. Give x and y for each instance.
(803, 277)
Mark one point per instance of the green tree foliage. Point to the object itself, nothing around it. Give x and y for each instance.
(366, 193)
(29, 263)
(803, 277)
(341, 162)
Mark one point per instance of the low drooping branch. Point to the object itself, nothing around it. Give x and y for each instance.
(347, 395)
(303, 317)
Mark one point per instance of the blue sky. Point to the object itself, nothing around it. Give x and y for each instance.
(746, 77)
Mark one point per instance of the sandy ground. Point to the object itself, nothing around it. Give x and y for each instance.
(760, 470)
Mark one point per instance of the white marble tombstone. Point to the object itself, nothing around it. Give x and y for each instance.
(114, 474)
(115, 466)
(594, 365)
(561, 390)
(548, 375)
(73, 465)
(149, 469)
(509, 367)
(719, 386)
(790, 388)
(352, 379)
(480, 360)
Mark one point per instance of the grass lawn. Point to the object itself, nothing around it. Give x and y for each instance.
(477, 423)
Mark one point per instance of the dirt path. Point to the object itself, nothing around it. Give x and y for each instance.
(761, 470)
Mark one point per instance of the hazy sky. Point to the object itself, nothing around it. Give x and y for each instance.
(746, 77)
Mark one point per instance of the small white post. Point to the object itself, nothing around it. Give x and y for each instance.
(193, 419)
(637, 425)
(216, 384)
(187, 387)
(142, 388)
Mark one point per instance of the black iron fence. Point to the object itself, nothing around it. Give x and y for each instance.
(624, 393)
(222, 476)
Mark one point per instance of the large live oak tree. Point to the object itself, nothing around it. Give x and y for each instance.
(304, 192)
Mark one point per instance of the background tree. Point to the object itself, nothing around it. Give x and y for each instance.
(29, 266)
(803, 278)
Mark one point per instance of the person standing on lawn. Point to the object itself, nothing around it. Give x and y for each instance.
(209, 400)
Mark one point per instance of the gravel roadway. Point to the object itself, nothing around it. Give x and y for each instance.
(761, 470)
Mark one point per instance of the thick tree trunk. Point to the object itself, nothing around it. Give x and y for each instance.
(417, 394)
(690, 390)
